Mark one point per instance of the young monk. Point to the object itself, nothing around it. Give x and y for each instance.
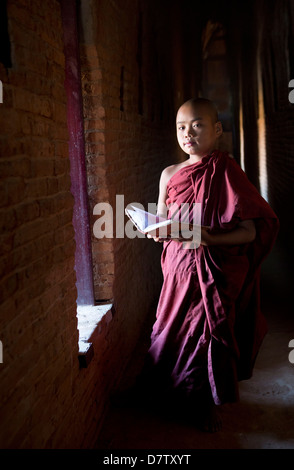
(208, 326)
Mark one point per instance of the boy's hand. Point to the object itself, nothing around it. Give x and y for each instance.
(176, 231)
(166, 232)
(206, 237)
(160, 234)
(156, 239)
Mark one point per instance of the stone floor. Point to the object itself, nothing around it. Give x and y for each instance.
(264, 418)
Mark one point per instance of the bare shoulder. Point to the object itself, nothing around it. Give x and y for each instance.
(169, 171)
(166, 175)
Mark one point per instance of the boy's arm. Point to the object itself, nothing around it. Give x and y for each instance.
(161, 206)
(245, 232)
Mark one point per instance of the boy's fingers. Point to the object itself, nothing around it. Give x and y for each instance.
(156, 239)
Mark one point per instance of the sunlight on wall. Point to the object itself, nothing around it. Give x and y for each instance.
(263, 180)
(242, 159)
(241, 122)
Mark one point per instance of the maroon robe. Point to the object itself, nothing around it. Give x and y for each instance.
(209, 326)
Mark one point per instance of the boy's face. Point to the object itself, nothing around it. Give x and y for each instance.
(197, 129)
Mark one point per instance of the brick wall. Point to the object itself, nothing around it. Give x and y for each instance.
(46, 400)
(38, 320)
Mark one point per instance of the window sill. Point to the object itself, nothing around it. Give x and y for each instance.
(90, 321)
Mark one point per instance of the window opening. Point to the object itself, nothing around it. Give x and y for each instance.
(88, 314)
(83, 258)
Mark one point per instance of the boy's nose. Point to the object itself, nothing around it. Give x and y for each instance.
(189, 132)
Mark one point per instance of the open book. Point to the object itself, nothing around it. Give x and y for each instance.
(145, 221)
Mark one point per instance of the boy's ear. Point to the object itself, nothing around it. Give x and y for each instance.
(218, 128)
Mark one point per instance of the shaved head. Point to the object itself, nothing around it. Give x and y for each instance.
(202, 103)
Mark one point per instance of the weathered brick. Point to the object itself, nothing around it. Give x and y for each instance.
(33, 188)
(8, 220)
(61, 149)
(26, 212)
(61, 166)
(9, 121)
(15, 188)
(8, 286)
(59, 112)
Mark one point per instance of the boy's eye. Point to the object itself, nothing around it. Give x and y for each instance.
(197, 124)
